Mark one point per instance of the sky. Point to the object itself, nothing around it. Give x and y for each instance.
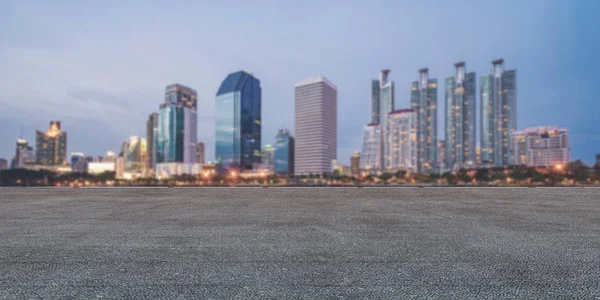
(100, 67)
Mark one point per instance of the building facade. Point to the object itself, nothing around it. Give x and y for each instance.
(3, 164)
(355, 164)
(540, 147)
(24, 154)
(135, 156)
(151, 135)
(200, 152)
(177, 126)
(401, 140)
(423, 100)
(460, 119)
(315, 119)
(441, 158)
(371, 155)
(51, 146)
(284, 152)
(238, 121)
(498, 114)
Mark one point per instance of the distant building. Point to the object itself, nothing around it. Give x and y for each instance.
(401, 141)
(355, 164)
(597, 160)
(200, 152)
(135, 157)
(79, 162)
(151, 139)
(51, 146)
(315, 119)
(268, 157)
(109, 157)
(24, 154)
(177, 126)
(498, 114)
(284, 152)
(341, 169)
(238, 121)
(382, 103)
(540, 146)
(370, 157)
(478, 156)
(168, 170)
(423, 100)
(460, 118)
(120, 168)
(441, 152)
(100, 167)
(3, 164)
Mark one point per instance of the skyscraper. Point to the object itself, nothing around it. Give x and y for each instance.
(423, 100)
(284, 152)
(200, 152)
(460, 118)
(315, 107)
(401, 140)
(79, 162)
(177, 129)
(151, 135)
(370, 157)
(540, 146)
(268, 157)
(3, 164)
(238, 122)
(498, 113)
(135, 156)
(24, 154)
(355, 164)
(51, 146)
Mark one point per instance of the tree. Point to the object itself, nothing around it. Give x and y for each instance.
(578, 171)
(400, 174)
(450, 178)
(498, 176)
(463, 175)
(482, 175)
(385, 176)
(537, 177)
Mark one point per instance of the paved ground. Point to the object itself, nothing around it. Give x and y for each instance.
(302, 243)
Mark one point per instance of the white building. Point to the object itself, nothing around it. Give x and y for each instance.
(101, 167)
(540, 146)
(167, 170)
(401, 140)
(315, 108)
(370, 156)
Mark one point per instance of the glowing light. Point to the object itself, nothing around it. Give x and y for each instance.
(558, 167)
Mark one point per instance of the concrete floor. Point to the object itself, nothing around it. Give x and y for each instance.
(300, 243)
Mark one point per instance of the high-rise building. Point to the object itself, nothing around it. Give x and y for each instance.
(423, 100)
(3, 164)
(177, 126)
(79, 162)
(370, 157)
(135, 156)
(355, 164)
(200, 152)
(460, 118)
(597, 160)
(498, 113)
(441, 158)
(315, 107)
(151, 135)
(478, 156)
(51, 146)
(238, 122)
(268, 158)
(284, 152)
(540, 146)
(23, 155)
(401, 140)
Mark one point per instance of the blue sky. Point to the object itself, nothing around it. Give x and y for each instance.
(101, 66)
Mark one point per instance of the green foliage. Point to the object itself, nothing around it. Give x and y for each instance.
(578, 171)
(482, 175)
(385, 176)
(400, 174)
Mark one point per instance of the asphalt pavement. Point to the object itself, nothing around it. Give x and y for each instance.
(300, 243)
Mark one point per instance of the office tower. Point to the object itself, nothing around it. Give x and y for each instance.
(79, 162)
(478, 156)
(498, 113)
(284, 152)
(24, 154)
(109, 157)
(51, 146)
(460, 118)
(135, 157)
(3, 164)
(151, 135)
(375, 101)
(315, 107)
(200, 152)
(370, 157)
(401, 140)
(238, 121)
(540, 146)
(177, 126)
(423, 100)
(441, 155)
(268, 158)
(355, 164)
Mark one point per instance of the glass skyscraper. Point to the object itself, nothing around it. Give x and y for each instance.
(238, 121)
(460, 118)
(51, 146)
(423, 100)
(284, 152)
(370, 157)
(498, 114)
(401, 140)
(177, 126)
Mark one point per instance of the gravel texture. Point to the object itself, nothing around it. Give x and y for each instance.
(300, 243)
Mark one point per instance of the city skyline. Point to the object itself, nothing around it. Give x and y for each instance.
(100, 113)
